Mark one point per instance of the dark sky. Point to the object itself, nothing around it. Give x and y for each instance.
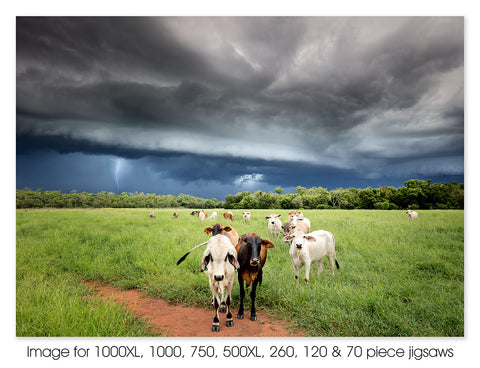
(210, 106)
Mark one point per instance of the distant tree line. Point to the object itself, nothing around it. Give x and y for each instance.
(414, 194)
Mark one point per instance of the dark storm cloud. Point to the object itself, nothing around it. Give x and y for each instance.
(294, 100)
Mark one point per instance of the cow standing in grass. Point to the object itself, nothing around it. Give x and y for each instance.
(251, 256)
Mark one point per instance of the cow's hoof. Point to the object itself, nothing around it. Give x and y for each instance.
(253, 318)
(230, 323)
(215, 328)
(240, 316)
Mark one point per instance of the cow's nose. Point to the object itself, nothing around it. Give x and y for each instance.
(299, 246)
(254, 261)
(218, 277)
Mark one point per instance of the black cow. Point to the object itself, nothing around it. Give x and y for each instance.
(251, 255)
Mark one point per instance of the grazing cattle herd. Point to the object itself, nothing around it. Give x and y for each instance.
(226, 252)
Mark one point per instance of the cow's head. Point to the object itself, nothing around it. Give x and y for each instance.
(217, 229)
(298, 239)
(217, 257)
(272, 217)
(255, 248)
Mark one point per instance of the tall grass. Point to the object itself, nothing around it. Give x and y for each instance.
(396, 278)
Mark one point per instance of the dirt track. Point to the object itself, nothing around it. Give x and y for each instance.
(176, 320)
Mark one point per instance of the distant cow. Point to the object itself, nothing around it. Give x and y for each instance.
(202, 215)
(311, 248)
(213, 216)
(274, 224)
(251, 256)
(175, 215)
(152, 214)
(246, 216)
(286, 228)
(412, 215)
(228, 215)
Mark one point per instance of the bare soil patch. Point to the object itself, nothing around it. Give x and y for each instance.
(177, 320)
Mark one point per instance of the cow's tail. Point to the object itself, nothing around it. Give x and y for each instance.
(190, 251)
(336, 262)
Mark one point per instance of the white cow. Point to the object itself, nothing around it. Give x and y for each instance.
(274, 224)
(297, 219)
(312, 247)
(213, 216)
(219, 263)
(246, 216)
(412, 215)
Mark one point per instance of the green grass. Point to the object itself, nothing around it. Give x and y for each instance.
(396, 278)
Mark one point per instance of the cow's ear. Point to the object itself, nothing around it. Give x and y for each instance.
(267, 217)
(233, 260)
(309, 238)
(208, 230)
(227, 228)
(267, 244)
(287, 238)
(205, 261)
(279, 215)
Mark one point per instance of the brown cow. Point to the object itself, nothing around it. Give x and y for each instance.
(228, 215)
(252, 254)
(175, 215)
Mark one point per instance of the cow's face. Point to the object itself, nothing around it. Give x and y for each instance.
(272, 217)
(217, 258)
(254, 244)
(297, 240)
(217, 229)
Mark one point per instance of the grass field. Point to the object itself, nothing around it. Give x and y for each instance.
(396, 278)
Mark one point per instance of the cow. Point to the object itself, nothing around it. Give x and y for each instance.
(274, 224)
(246, 216)
(412, 215)
(251, 255)
(213, 216)
(311, 247)
(228, 231)
(152, 214)
(219, 262)
(286, 228)
(296, 220)
(202, 215)
(228, 215)
(175, 215)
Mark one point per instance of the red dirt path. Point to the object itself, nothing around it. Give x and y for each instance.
(176, 320)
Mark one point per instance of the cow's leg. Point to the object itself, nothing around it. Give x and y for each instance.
(229, 312)
(253, 294)
(297, 273)
(331, 260)
(216, 321)
(223, 308)
(320, 266)
(307, 270)
(242, 296)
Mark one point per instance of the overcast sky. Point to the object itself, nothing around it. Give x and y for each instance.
(214, 106)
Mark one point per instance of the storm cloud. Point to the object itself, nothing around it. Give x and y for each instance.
(214, 105)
